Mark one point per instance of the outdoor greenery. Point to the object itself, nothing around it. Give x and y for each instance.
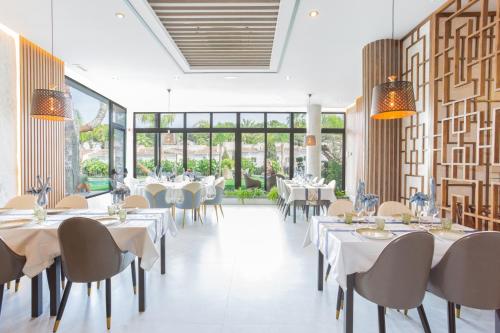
(244, 194)
(95, 168)
(273, 194)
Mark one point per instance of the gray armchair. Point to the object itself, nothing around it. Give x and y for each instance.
(468, 274)
(398, 279)
(12, 267)
(89, 253)
(250, 182)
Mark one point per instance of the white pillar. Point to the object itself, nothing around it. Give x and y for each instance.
(314, 128)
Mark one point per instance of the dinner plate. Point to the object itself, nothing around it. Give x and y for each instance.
(53, 211)
(451, 235)
(14, 223)
(108, 220)
(376, 234)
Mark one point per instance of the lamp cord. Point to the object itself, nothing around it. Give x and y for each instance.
(51, 42)
(393, 19)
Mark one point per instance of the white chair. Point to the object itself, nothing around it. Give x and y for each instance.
(321, 181)
(340, 207)
(314, 180)
(392, 208)
(210, 180)
(73, 202)
(179, 179)
(332, 183)
(25, 201)
(135, 201)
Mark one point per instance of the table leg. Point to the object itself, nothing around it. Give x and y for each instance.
(53, 278)
(142, 288)
(162, 254)
(36, 296)
(497, 321)
(349, 305)
(320, 270)
(294, 212)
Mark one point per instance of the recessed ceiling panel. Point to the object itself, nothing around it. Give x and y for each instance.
(221, 33)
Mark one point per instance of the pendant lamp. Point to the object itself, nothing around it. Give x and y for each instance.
(393, 99)
(310, 138)
(51, 104)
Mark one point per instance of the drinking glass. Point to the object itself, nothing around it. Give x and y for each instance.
(380, 223)
(446, 223)
(370, 210)
(348, 218)
(122, 214)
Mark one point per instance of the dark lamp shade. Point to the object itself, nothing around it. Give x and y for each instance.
(310, 140)
(393, 100)
(50, 105)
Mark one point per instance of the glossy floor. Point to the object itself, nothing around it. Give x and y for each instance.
(248, 273)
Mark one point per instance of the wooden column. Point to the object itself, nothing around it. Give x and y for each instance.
(41, 141)
(382, 142)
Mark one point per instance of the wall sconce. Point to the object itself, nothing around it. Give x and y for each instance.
(310, 140)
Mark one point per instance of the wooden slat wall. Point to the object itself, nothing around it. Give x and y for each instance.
(382, 152)
(42, 142)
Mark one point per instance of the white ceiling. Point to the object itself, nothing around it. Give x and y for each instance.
(127, 64)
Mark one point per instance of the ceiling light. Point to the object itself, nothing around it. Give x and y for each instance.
(80, 67)
(176, 78)
(313, 13)
(230, 77)
(114, 77)
(119, 15)
(288, 78)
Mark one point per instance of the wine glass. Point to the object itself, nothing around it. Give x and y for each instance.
(370, 210)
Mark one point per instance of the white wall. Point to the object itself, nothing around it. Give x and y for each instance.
(8, 118)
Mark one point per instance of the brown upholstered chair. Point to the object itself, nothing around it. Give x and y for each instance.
(89, 253)
(398, 279)
(468, 274)
(11, 268)
(250, 182)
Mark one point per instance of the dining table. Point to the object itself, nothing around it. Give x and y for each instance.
(348, 252)
(173, 189)
(305, 192)
(38, 241)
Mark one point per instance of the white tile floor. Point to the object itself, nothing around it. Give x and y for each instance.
(249, 273)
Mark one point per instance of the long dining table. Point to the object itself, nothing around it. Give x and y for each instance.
(349, 253)
(38, 242)
(306, 192)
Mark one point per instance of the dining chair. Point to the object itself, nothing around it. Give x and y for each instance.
(73, 202)
(191, 200)
(468, 274)
(135, 201)
(391, 208)
(399, 277)
(332, 183)
(217, 200)
(156, 194)
(340, 207)
(321, 181)
(25, 201)
(89, 253)
(11, 269)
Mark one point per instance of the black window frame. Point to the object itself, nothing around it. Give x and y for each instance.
(238, 131)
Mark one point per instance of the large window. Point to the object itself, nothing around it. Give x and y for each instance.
(248, 149)
(95, 141)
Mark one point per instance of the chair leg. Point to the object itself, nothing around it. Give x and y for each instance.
(222, 212)
(199, 215)
(216, 213)
(183, 218)
(134, 276)
(451, 318)
(8, 285)
(62, 305)
(89, 288)
(99, 284)
(108, 303)
(328, 271)
(423, 319)
(458, 307)
(17, 285)
(1, 295)
(339, 302)
(381, 319)
(63, 278)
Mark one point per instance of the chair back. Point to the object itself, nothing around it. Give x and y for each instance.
(192, 196)
(219, 191)
(321, 181)
(390, 208)
(398, 278)
(156, 196)
(25, 201)
(89, 252)
(73, 202)
(332, 184)
(340, 207)
(210, 180)
(135, 201)
(12, 264)
(469, 272)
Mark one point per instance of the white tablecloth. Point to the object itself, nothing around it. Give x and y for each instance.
(174, 190)
(40, 245)
(350, 253)
(298, 192)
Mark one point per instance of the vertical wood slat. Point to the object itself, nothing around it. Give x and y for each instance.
(382, 153)
(42, 142)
